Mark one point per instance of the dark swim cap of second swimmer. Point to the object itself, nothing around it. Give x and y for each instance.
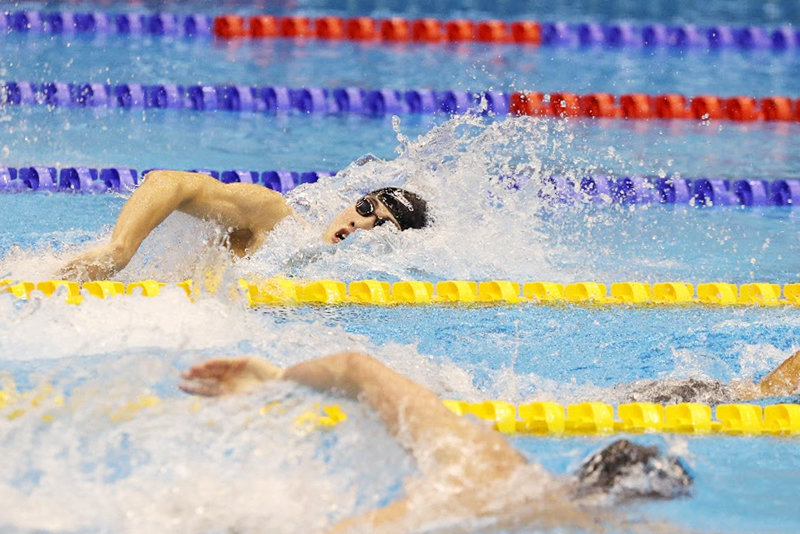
(409, 209)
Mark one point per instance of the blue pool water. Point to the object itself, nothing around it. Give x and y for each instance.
(98, 463)
(471, 66)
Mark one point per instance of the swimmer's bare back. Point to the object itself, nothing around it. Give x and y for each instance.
(249, 211)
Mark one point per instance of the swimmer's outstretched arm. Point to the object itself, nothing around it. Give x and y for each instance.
(468, 458)
(403, 405)
(237, 206)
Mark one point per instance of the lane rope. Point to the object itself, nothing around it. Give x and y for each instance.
(533, 418)
(597, 418)
(285, 291)
(628, 190)
(99, 22)
(399, 29)
(123, 179)
(525, 32)
(380, 102)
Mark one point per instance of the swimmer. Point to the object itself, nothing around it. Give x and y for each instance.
(248, 211)
(780, 382)
(469, 473)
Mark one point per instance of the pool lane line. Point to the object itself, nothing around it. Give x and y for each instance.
(124, 179)
(597, 189)
(429, 30)
(288, 292)
(99, 22)
(380, 102)
(400, 29)
(530, 418)
(593, 418)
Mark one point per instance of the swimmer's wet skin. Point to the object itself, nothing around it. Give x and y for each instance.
(466, 467)
(249, 211)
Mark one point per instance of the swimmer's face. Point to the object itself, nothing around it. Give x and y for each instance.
(365, 214)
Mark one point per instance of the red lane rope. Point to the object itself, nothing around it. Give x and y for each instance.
(666, 106)
(393, 29)
(430, 30)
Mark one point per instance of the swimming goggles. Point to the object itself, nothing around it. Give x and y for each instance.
(366, 207)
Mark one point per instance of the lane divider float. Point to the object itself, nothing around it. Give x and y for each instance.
(526, 32)
(669, 106)
(122, 179)
(533, 418)
(399, 29)
(379, 102)
(284, 291)
(597, 418)
(599, 189)
(100, 22)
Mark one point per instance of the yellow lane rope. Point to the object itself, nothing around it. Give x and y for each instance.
(537, 418)
(284, 291)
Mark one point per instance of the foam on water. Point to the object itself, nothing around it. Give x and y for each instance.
(104, 462)
(188, 466)
(457, 167)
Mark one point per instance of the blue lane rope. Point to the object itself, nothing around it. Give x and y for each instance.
(680, 36)
(122, 179)
(59, 22)
(245, 98)
(377, 102)
(598, 189)
(552, 33)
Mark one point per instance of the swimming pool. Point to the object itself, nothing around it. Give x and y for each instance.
(112, 458)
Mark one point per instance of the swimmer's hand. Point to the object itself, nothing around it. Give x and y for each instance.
(94, 264)
(223, 376)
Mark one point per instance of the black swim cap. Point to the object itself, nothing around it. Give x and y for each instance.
(408, 209)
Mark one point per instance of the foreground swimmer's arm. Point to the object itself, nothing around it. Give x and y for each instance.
(402, 404)
(466, 466)
(249, 210)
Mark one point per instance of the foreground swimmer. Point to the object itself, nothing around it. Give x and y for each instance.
(248, 211)
(470, 473)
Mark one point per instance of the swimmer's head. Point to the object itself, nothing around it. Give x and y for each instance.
(625, 470)
(402, 208)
